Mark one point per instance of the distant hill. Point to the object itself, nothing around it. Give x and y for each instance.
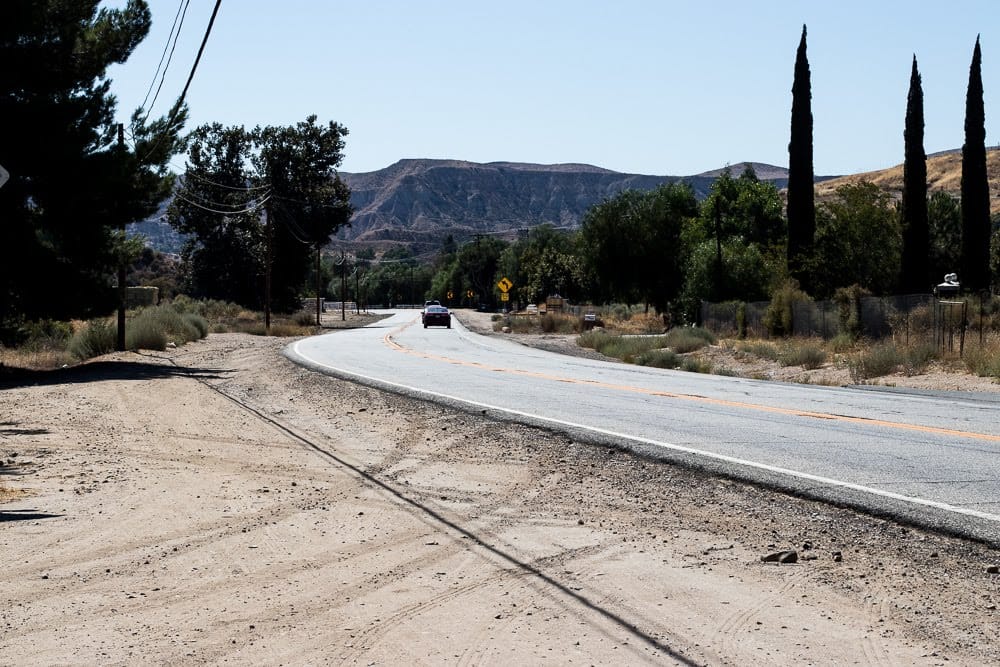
(944, 172)
(418, 201)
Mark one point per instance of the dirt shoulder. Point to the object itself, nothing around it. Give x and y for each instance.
(217, 503)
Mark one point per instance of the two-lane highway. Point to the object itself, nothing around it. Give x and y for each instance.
(929, 458)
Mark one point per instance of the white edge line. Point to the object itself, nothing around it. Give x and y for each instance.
(666, 445)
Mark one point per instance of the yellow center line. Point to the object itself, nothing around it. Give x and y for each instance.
(389, 340)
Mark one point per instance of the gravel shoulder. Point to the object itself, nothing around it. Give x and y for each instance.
(217, 503)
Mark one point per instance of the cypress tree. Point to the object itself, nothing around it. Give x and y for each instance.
(916, 234)
(975, 271)
(801, 203)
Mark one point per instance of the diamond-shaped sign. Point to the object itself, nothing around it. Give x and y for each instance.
(505, 284)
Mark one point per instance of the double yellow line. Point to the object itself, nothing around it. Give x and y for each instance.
(389, 340)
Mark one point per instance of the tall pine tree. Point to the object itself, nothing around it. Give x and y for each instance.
(801, 202)
(975, 271)
(916, 235)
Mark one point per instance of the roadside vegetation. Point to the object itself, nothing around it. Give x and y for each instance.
(49, 344)
(634, 336)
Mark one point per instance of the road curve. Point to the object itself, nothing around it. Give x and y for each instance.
(928, 458)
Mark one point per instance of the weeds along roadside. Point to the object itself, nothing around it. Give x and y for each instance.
(51, 344)
(640, 339)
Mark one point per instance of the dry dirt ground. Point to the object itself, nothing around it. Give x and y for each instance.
(218, 504)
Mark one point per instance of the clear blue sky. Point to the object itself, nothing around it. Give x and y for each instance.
(641, 86)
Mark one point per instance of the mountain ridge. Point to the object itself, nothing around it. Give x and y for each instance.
(421, 200)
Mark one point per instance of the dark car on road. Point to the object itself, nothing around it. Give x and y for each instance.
(436, 316)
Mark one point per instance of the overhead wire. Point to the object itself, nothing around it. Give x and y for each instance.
(220, 205)
(182, 8)
(180, 100)
(250, 209)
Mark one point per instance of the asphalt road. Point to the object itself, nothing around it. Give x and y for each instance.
(931, 459)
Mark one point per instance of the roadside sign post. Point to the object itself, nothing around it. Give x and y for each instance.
(505, 284)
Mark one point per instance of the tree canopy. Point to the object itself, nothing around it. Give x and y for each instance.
(73, 183)
(250, 198)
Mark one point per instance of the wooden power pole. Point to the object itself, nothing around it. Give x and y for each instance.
(122, 292)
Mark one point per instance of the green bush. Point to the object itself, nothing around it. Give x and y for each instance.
(658, 359)
(95, 338)
(808, 354)
(918, 357)
(882, 359)
(305, 318)
(198, 322)
(842, 342)
(779, 315)
(620, 347)
(145, 334)
(44, 335)
(760, 348)
(688, 339)
(848, 300)
(175, 326)
(984, 362)
(693, 365)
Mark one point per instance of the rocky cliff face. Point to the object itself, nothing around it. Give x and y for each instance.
(416, 199)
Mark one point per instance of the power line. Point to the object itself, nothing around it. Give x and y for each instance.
(249, 209)
(181, 14)
(221, 205)
(180, 100)
(249, 188)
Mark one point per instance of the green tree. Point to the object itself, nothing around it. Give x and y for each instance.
(916, 276)
(72, 183)
(632, 244)
(544, 263)
(746, 207)
(745, 276)
(944, 221)
(254, 200)
(858, 241)
(801, 195)
(975, 271)
(220, 211)
(297, 164)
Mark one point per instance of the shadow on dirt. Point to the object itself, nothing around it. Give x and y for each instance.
(100, 371)
(25, 515)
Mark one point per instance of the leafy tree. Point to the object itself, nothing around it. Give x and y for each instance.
(975, 271)
(858, 241)
(632, 244)
(746, 207)
(221, 212)
(72, 183)
(944, 218)
(913, 210)
(544, 263)
(250, 199)
(477, 265)
(745, 276)
(801, 195)
(298, 166)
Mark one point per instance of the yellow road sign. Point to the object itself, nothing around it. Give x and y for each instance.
(505, 284)
(505, 297)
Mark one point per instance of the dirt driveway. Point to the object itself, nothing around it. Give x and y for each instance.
(216, 504)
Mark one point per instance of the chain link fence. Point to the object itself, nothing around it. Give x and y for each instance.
(909, 318)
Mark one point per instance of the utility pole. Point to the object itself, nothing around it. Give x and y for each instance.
(269, 235)
(120, 340)
(319, 284)
(343, 286)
